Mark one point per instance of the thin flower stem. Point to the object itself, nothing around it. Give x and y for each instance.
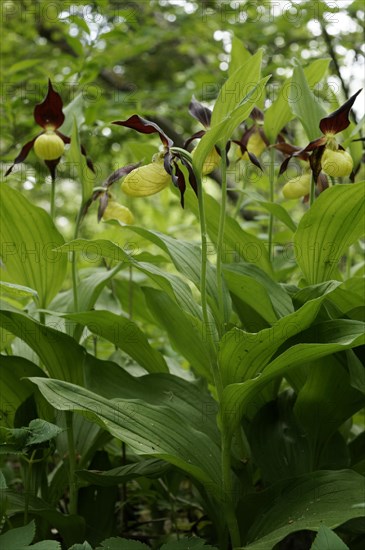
(216, 374)
(53, 198)
(74, 262)
(220, 242)
(271, 183)
(228, 494)
(72, 464)
(312, 190)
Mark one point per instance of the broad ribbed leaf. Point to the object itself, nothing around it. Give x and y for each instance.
(17, 290)
(320, 498)
(243, 354)
(236, 88)
(117, 543)
(239, 55)
(154, 430)
(151, 468)
(327, 338)
(279, 113)
(14, 390)
(254, 287)
(186, 257)
(28, 237)
(112, 381)
(274, 208)
(304, 104)
(187, 334)
(222, 131)
(237, 244)
(125, 334)
(59, 353)
(328, 228)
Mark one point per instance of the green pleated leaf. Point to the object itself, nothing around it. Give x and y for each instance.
(243, 354)
(307, 502)
(280, 113)
(28, 238)
(327, 399)
(14, 390)
(59, 353)
(112, 381)
(254, 287)
(187, 334)
(326, 539)
(274, 208)
(17, 290)
(186, 257)
(328, 228)
(328, 338)
(237, 243)
(239, 55)
(236, 88)
(151, 468)
(222, 131)
(304, 104)
(154, 430)
(125, 334)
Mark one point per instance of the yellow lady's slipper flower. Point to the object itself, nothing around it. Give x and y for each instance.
(146, 180)
(297, 187)
(49, 146)
(337, 163)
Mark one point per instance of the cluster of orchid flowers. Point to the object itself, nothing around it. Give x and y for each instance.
(324, 155)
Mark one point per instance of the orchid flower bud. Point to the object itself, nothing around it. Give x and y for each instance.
(115, 211)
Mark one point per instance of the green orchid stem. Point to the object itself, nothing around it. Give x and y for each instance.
(27, 481)
(312, 193)
(53, 198)
(72, 507)
(271, 183)
(74, 262)
(220, 241)
(228, 495)
(216, 375)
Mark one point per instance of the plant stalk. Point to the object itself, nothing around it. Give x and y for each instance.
(271, 189)
(53, 198)
(72, 508)
(220, 242)
(312, 190)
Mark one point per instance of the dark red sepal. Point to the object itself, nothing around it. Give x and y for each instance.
(49, 112)
(197, 135)
(145, 127)
(313, 145)
(192, 177)
(22, 155)
(103, 203)
(200, 113)
(338, 120)
(178, 179)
